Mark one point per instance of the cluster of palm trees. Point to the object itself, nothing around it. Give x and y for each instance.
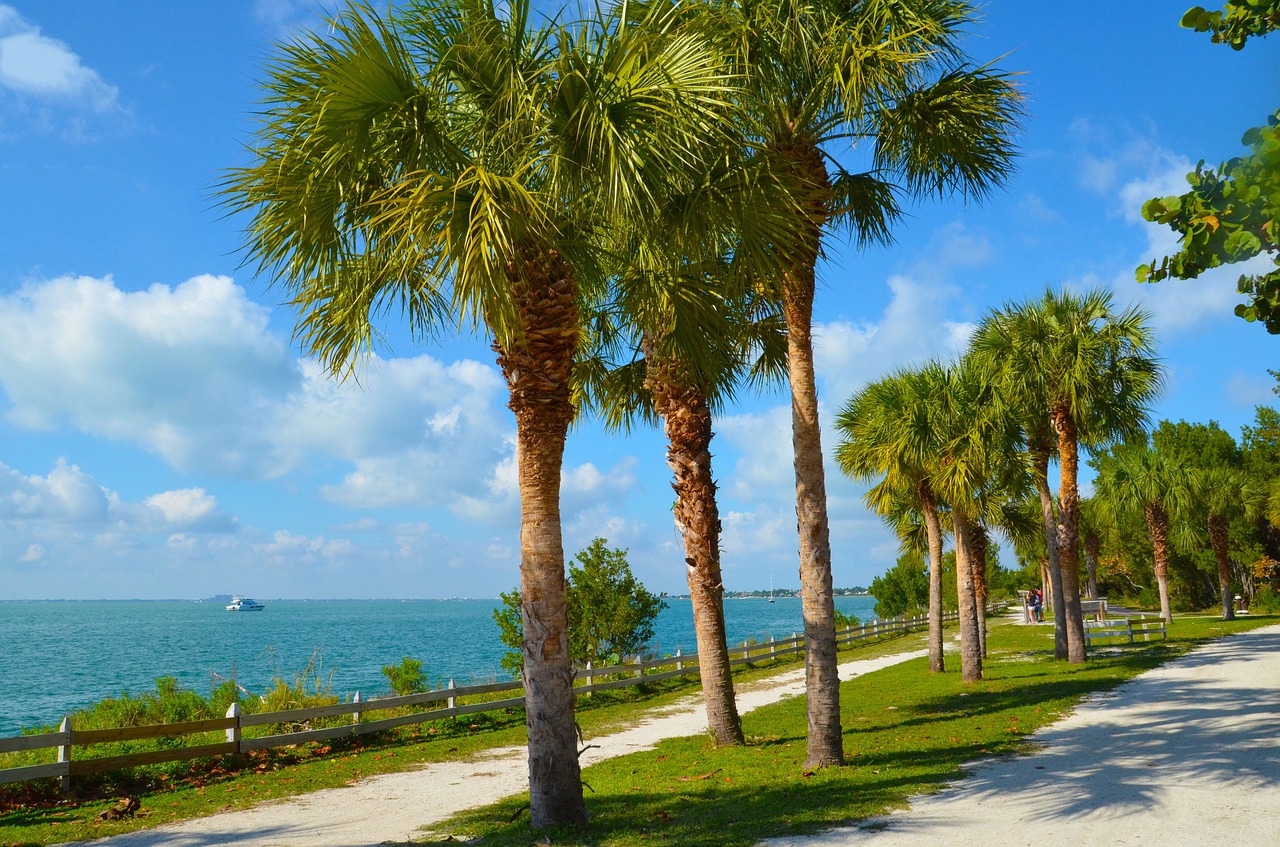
(1191, 488)
(973, 439)
(631, 206)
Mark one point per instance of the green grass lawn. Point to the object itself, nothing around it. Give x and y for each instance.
(906, 731)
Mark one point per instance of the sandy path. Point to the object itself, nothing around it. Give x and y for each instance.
(393, 807)
(1187, 755)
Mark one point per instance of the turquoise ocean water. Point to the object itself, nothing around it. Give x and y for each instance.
(56, 657)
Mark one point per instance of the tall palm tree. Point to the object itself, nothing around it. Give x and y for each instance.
(930, 431)
(826, 76)
(683, 387)
(890, 435)
(1219, 493)
(974, 462)
(1136, 478)
(1215, 462)
(1003, 507)
(461, 163)
(1095, 371)
(1022, 393)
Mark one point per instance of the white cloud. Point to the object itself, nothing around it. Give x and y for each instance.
(194, 374)
(44, 69)
(68, 495)
(283, 14)
(191, 508)
(34, 553)
(190, 372)
(1251, 390)
(914, 326)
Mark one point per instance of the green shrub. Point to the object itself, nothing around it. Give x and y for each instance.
(1265, 601)
(844, 621)
(611, 614)
(406, 677)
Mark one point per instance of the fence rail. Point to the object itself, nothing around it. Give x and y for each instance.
(615, 676)
(1124, 628)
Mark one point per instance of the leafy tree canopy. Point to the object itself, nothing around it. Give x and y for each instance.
(1230, 214)
(1197, 445)
(1237, 22)
(611, 614)
(1261, 443)
(904, 588)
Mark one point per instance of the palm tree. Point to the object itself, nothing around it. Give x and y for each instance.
(682, 387)
(459, 163)
(1003, 507)
(890, 434)
(931, 432)
(1091, 525)
(1137, 478)
(823, 76)
(1215, 462)
(1094, 370)
(1022, 392)
(1218, 492)
(974, 462)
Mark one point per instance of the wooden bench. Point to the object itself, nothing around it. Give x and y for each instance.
(1128, 628)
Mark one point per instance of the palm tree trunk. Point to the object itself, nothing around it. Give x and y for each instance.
(537, 371)
(822, 681)
(1218, 537)
(933, 527)
(1158, 528)
(1040, 463)
(1092, 545)
(970, 645)
(1069, 525)
(979, 567)
(687, 420)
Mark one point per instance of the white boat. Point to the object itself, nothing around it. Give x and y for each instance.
(244, 604)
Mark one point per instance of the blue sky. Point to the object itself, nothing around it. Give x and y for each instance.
(161, 436)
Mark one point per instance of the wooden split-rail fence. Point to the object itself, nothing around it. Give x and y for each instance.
(1128, 628)
(441, 704)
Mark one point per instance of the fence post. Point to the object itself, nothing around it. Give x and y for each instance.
(233, 732)
(772, 649)
(355, 716)
(589, 679)
(452, 701)
(639, 667)
(679, 663)
(746, 651)
(64, 755)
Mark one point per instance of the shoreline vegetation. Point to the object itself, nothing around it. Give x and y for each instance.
(907, 732)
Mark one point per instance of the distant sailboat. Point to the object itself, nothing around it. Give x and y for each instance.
(770, 588)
